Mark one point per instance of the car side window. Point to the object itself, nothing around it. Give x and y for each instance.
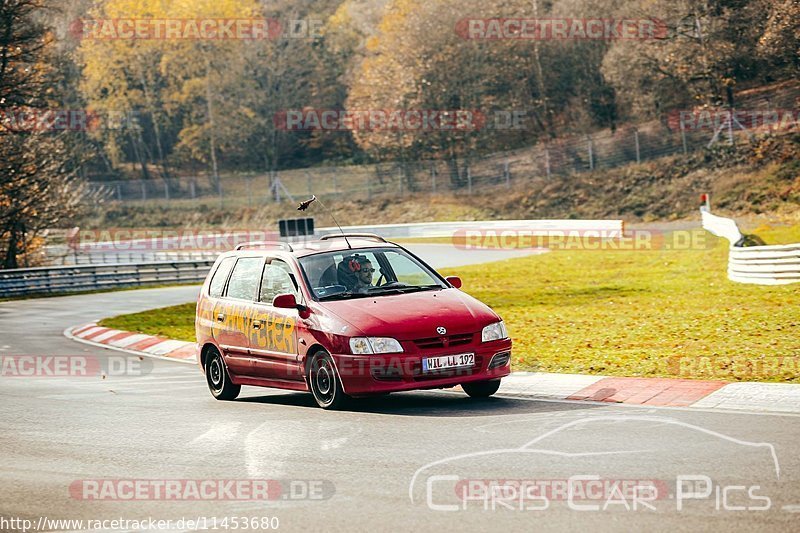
(220, 277)
(244, 279)
(277, 279)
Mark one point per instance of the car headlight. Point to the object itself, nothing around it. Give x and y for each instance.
(370, 345)
(494, 332)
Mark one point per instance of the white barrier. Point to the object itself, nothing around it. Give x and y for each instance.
(449, 229)
(761, 265)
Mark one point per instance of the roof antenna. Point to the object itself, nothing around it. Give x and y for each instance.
(305, 204)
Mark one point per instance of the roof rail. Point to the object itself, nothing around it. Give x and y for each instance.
(353, 236)
(263, 244)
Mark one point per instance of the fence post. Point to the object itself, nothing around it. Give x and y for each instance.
(219, 191)
(469, 178)
(247, 180)
(144, 190)
(638, 152)
(683, 138)
(433, 177)
(547, 161)
(591, 153)
(166, 190)
(730, 127)
(507, 174)
(119, 192)
(192, 189)
(400, 178)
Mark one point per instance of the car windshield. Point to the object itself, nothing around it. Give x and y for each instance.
(367, 272)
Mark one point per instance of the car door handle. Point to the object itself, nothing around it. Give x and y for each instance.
(220, 317)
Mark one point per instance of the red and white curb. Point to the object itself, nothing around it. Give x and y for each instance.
(652, 392)
(656, 392)
(134, 343)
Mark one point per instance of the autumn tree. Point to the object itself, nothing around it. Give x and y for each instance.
(710, 48)
(418, 59)
(38, 184)
(779, 44)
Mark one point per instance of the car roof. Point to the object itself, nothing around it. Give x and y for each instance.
(303, 249)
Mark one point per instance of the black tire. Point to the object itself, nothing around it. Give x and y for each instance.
(481, 389)
(219, 382)
(324, 382)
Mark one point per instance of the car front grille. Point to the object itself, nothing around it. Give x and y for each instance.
(445, 341)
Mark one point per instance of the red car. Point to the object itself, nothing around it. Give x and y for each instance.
(344, 316)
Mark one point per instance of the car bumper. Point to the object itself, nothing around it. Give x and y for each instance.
(379, 374)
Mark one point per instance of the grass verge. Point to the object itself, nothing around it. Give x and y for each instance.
(174, 322)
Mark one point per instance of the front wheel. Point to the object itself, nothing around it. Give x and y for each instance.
(219, 382)
(324, 382)
(481, 389)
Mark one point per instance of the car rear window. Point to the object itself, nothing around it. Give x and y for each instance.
(244, 280)
(220, 277)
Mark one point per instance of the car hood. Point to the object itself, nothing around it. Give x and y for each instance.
(415, 315)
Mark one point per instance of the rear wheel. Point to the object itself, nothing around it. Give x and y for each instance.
(324, 382)
(219, 382)
(481, 389)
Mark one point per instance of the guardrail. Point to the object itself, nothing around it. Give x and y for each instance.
(59, 279)
(760, 265)
(52, 280)
(164, 248)
(58, 255)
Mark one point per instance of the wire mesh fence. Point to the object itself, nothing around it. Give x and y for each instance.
(679, 133)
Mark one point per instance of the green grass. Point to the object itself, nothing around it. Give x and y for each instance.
(633, 313)
(175, 322)
(626, 313)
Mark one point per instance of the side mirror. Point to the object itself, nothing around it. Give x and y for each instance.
(285, 301)
(288, 301)
(455, 281)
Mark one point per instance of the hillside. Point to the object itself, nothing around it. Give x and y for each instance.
(749, 179)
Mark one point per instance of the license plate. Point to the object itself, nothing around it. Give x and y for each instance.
(431, 364)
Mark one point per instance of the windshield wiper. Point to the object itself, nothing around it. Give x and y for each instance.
(377, 291)
(403, 289)
(342, 296)
(418, 288)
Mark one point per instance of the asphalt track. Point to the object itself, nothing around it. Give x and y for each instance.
(401, 462)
